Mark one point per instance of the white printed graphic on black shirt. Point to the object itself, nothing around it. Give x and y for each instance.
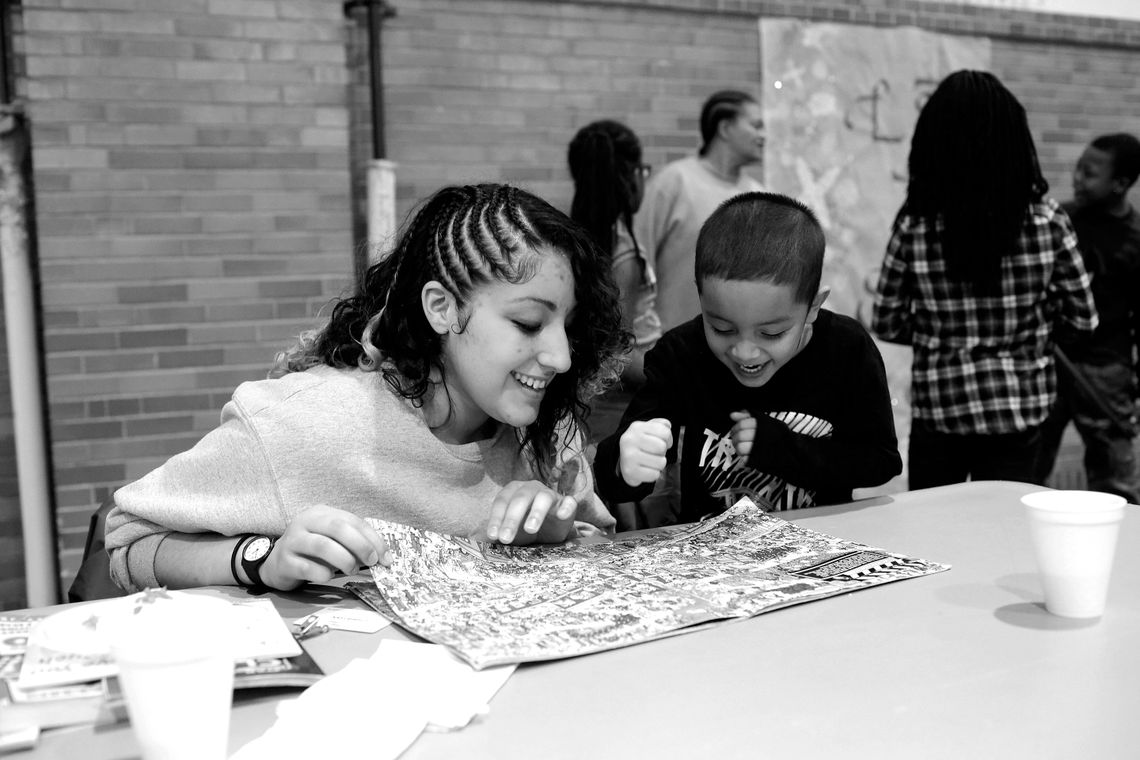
(729, 478)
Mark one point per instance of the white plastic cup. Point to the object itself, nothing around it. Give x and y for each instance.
(1074, 539)
(176, 667)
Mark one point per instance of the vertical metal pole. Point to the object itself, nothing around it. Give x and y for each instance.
(25, 353)
(5, 84)
(21, 327)
(375, 67)
(381, 171)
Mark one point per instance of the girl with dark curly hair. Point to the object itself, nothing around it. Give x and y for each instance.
(448, 394)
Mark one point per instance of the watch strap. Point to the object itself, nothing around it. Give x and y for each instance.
(241, 542)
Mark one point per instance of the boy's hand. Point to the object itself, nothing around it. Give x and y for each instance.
(642, 449)
(743, 432)
(549, 516)
(319, 542)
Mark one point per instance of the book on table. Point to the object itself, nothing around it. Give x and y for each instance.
(56, 670)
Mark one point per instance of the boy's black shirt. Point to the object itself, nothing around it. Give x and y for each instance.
(1110, 247)
(834, 393)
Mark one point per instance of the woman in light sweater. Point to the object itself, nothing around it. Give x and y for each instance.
(684, 193)
(446, 394)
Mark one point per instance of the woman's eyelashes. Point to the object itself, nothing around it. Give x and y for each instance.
(528, 328)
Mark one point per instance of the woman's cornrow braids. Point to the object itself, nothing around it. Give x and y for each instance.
(521, 226)
(484, 254)
(447, 241)
(474, 236)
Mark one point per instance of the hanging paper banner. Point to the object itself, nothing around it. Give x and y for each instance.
(840, 102)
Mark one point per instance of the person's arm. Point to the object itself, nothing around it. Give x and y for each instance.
(177, 526)
(1134, 289)
(528, 512)
(654, 400)
(862, 450)
(576, 478)
(186, 560)
(891, 317)
(629, 277)
(1071, 284)
(319, 543)
(655, 219)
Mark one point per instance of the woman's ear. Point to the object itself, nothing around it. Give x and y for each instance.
(724, 126)
(439, 306)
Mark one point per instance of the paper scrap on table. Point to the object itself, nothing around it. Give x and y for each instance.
(377, 707)
(453, 690)
(348, 619)
(19, 739)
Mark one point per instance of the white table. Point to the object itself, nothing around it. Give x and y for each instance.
(961, 664)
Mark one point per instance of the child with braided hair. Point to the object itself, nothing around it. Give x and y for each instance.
(609, 179)
(609, 182)
(447, 393)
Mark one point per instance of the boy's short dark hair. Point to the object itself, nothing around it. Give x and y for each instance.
(1125, 151)
(763, 236)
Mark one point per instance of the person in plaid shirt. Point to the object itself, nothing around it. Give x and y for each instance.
(981, 276)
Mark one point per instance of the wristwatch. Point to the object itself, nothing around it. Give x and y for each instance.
(253, 555)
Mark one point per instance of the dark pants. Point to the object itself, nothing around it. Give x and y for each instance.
(1110, 456)
(937, 459)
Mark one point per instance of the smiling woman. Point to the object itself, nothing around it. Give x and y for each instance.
(448, 394)
(503, 349)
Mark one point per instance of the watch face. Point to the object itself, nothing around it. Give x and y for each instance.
(256, 549)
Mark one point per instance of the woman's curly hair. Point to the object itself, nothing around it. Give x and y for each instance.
(465, 237)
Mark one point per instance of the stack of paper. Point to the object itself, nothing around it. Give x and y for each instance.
(57, 670)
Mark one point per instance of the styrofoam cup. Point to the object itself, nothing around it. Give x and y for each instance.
(176, 667)
(1074, 539)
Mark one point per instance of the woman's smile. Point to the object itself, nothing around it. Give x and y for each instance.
(536, 384)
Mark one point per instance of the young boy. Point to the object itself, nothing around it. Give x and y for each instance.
(1096, 379)
(778, 399)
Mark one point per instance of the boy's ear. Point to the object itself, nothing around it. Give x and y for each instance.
(1121, 185)
(439, 306)
(820, 297)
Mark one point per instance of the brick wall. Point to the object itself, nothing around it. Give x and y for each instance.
(479, 91)
(193, 164)
(192, 184)
(495, 89)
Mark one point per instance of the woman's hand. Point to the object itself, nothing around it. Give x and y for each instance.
(319, 542)
(743, 432)
(527, 512)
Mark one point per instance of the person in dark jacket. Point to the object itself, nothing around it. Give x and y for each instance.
(764, 394)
